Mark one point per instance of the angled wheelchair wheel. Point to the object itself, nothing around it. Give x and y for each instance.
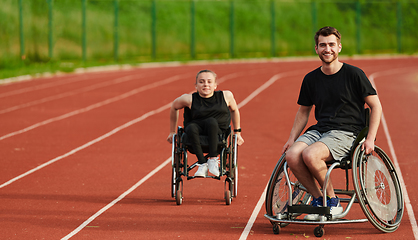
(173, 182)
(234, 165)
(231, 182)
(177, 164)
(277, 195)
(378, 189)
(174, 165)
(179, 192)
(228, 197)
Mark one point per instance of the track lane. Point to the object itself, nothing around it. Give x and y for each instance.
(57, 128)
(47, 105)
(63, 135)
(129, 223)
(56, 177)
(387, 98)
(198, 197)
(240, 105)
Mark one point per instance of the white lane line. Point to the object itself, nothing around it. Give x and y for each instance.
(97, 214)
(407, 201)
(254, 215)
(71, 93)
(44, 86)
(260, 89)
(110, 100)
(126, 125)
(123, 195)
(93, 106)
(257, 208)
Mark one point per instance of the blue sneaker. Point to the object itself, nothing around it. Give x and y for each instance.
(318, 202)
(336, 207)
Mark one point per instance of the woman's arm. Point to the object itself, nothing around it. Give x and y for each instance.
(183, 101)
(235, 115)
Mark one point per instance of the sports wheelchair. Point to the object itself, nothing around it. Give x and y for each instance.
(227, 150)
(376, 189)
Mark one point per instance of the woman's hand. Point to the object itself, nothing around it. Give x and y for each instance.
(170, 137)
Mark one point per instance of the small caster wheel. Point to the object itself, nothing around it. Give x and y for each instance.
(179, 197)
(276, 228)
(319, 231)
(228, 197)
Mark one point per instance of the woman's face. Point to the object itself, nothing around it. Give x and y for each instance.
(206, 84)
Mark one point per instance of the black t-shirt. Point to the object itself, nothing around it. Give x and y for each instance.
(338, 98)
(203, 108)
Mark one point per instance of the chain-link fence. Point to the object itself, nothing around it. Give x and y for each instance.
(149, 30)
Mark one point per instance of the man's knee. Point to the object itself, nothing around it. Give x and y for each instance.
(315, 153)
(294, 156)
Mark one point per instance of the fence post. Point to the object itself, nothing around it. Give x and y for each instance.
(314, 21)
(399, 27)
(192, 30)
(231, 29)
(22, 37)
(273, 29)
(358, 23)
(50, 29)
(153, 26)
(83, 29)
(116, 32)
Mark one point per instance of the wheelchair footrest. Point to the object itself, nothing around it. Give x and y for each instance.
(193, 177)
(309, 209)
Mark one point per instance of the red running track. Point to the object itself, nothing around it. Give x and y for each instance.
(84, 156)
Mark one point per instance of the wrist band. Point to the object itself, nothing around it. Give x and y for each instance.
(237, 130)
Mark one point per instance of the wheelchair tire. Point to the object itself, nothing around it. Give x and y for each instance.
(277, 194)
(179, 192)
(276, 228)
(228, 197)
(231, 168)
(173, 182)
(179, 197)
(319, 231)
(234, 166)
(378, 189)
(176, 156)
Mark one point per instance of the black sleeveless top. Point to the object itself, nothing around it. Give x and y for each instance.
(203, 108)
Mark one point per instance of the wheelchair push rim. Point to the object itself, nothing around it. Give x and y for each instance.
(378, 189)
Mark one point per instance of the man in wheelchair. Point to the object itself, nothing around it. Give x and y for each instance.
(339, 92)
(206, 112)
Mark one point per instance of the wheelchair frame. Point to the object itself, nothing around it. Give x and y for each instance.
(376, 189)
(181, 168)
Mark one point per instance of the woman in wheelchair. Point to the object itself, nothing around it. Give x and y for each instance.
(339, 92)
(206, 112)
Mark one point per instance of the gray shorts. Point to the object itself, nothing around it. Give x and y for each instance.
(338, 142)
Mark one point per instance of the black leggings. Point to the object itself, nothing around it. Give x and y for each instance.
(208, 127)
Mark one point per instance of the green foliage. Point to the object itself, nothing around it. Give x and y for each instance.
(380, 29)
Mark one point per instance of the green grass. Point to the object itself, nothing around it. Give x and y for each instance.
(295, 23)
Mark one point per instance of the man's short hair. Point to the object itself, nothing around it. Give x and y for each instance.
(326, 31)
